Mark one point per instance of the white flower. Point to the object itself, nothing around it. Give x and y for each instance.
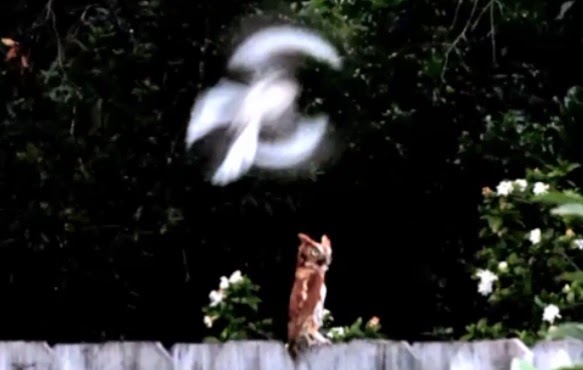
(578, 243)
(566, 288)
(550, 313)
(224, 283)
(235, 277)
(487, 278)
(534, 236)
(521, 183)
(504, 188)
(484, 288)
(208, 321)
(540, 188)
(335, 332)
(503, 266)
(216, 296)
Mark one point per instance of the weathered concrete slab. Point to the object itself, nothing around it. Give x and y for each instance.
(478, 355)
(253, 355)
(194, 356)
(550, 355)
(25, 355)
(272, 355)
(112, 356)
(358, 354)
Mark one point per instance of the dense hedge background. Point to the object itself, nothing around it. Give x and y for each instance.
(103, 214)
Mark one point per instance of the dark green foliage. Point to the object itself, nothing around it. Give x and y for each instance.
(103, 212)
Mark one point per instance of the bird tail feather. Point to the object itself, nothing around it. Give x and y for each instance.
(240, 156)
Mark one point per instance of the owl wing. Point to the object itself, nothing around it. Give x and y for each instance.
(295, 148)
(303, 300)
(306, 295)
(260, 50)
(215, 109)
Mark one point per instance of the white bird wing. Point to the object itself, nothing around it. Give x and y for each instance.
(260, 49)
(263, 99)
(296, 148)
(240, 155)
(216, 108)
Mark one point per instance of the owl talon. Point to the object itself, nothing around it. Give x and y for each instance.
(322, 340)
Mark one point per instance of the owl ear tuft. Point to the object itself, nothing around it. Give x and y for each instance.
(305, 238)
(325, 240)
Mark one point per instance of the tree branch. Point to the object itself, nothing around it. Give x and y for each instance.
(458, 39)
(50, 15)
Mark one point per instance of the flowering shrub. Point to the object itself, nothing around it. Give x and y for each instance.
(235, 303)
(233, 308)
(529, 259)
(569, 205)
(336, 334)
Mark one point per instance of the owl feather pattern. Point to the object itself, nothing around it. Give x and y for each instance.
(306, 308)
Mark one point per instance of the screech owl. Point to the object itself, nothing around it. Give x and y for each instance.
(306, 307)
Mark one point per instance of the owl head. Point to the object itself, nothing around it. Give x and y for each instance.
(314, 254)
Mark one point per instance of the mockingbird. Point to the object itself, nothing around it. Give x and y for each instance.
(266, 104)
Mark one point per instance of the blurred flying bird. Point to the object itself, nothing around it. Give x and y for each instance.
(266, 104)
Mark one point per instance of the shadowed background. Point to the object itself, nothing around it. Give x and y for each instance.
(104, 216)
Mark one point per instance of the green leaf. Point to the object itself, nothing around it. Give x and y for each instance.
(569, 209)
(210, 340)
(573, 100)
(385, 3)
(521, 364)
(356, 325)
(558, 198)
(494, 222)
(572, 276)
(267, 321)
(566, 330)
